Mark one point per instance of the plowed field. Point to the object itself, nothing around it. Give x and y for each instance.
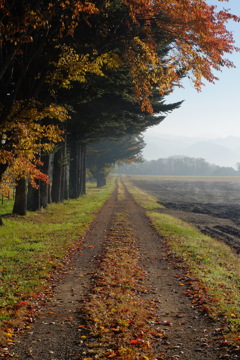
(210, 204)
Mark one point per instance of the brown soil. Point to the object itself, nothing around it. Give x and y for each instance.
(211, 206)
(56, 333)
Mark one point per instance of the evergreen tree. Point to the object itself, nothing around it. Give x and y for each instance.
(103, 155)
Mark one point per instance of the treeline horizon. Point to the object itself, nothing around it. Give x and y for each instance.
(175, 165)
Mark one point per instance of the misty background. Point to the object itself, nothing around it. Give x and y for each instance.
(220, 151)
(207, 125)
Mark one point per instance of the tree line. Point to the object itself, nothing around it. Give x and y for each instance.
(177, 166)
(74, 72)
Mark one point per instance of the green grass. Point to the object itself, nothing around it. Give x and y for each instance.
(6, 206)
(209, 261)
(147, 201)
(32, 246)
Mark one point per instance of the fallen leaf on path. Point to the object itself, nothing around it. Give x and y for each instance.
(166, 323)
(135, 342)
(224, 343)
(157, 334)
(111, 355)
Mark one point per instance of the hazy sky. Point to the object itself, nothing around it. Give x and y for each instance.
(215, 112)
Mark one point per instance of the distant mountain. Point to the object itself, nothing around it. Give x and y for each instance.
(220, 151)
(231, 142)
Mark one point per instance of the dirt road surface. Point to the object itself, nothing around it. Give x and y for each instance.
(56, 334)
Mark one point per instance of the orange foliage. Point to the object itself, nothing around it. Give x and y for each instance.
(197, 35)
(28, 132)
(64, 16)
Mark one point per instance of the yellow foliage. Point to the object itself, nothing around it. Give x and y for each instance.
(28, 132)
(74, 67)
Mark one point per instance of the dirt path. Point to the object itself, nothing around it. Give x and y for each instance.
(186, 334)
(55, 333)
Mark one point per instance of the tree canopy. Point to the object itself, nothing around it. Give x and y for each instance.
(54, 56)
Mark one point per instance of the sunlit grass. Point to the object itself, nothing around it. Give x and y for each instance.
(32, 246)
(147, 201)
(6, 206)
(212, 262)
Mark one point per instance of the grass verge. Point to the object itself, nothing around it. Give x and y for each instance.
(212, 263)
(32, 247)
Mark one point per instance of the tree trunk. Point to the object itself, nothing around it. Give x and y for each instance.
(33, 198)
(50, 174)
(73, 169)
(45, 187)
(3, 168)
(82, 170)
(57, 175)
(49, 199)
(77, 172)
(20, 204)
(64, 177)
(37, 198)
(101, 179)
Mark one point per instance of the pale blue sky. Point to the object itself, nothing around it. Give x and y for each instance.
(215, 112)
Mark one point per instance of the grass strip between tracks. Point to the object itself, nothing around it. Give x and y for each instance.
(214, 265)
(118, 319)
(35, 246)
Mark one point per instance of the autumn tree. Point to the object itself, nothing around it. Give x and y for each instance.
(33, 44)
(194, 31)
(156, 44)
(28, 131)
(34, 37)
(47, 47)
